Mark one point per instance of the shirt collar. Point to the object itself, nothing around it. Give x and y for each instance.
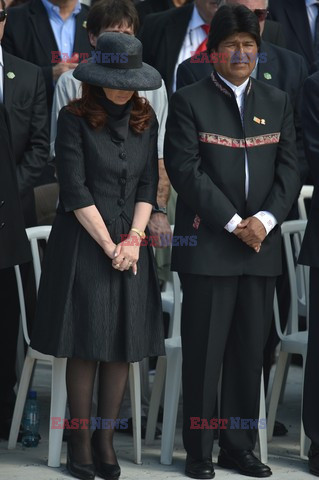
(1, 56)
(238, 90)
(309, 3)
(196, 20)
(50, 8)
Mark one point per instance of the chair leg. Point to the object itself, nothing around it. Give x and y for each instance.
(304, 440)
(284, 382)
(262, 432)
(155, 400)
(135, 391)
(20, 401)
(171, 399)
(57, 410)
(275, 392)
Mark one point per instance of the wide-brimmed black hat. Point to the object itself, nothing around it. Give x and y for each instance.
(117, 63)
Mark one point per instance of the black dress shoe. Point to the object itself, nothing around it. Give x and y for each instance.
(199, 468)
(314, 459)
(108, 471)
(84, 472)
(244, 461)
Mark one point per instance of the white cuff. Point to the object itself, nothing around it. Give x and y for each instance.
(233, 223)
(267, 219)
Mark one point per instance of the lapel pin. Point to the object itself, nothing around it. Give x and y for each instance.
(267, 76)
(263, 121)
(10, 75)
(84, 24)
(257, 120)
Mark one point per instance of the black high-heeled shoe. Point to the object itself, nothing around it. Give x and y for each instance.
(84, 472)
(107, 471)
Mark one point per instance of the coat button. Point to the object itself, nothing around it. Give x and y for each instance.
(122, 181)
(122, 155)
(121, 202)
(2, 202)
(2, 225)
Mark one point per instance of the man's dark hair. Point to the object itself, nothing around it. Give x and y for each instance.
(111, 13)
(231, 19)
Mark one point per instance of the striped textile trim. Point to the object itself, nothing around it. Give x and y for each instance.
(247, 142)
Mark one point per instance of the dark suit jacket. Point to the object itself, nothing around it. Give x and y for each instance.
(273, 33)
(279, 62)
(28, 35)
(151, 6)
(25, 100)
(309, 254)
(163, 34)
(14, 245)
(204, 156)
(292, 15)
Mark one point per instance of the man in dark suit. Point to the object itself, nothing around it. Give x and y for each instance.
(230, 154)
(171, 37)
(155, 6)
(14, 249)
(298, 19)
(31, 36)
(25, 99)
(309, 255)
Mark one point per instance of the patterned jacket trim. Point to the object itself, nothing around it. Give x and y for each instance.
(224, 141)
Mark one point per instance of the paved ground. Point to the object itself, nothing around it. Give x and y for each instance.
(30, 464)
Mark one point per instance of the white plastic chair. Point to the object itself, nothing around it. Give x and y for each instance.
(58, 386)
(169, 370)
(292, 340)
(306, 192)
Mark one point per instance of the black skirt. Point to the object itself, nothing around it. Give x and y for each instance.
(89, 310)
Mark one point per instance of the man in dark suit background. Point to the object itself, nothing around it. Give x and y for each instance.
(155, 6)
(38, 30)
(23, 93)
(230, 154)
(300, 22)
(309, 255)
(14, 249)
(171, 37)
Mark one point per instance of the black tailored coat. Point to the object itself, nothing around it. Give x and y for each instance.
(293, 17)
(114, 314)
(274, 72)
(28, 35)
(14, 245)
(205, 159)
(309, 254)
(25, 100)
(163, 35)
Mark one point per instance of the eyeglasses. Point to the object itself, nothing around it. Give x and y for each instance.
(3, 15)
(261, 13)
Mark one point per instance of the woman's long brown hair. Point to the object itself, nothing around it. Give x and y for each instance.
(89, 107)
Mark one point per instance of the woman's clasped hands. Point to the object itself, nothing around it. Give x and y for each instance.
(127, 253)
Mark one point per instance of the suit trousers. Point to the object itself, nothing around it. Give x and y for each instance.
(225, 322)
(311, 384)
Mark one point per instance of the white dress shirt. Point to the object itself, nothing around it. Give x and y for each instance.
(195, 35)
(1, 74)
(312, 12)
(267, 219)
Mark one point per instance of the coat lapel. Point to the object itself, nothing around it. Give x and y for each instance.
(81, 41)
(174, 35)
(42, 28)
(9, 80)
(297, 15)
(268, 70)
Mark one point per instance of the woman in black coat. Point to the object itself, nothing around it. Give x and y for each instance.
(99, 299)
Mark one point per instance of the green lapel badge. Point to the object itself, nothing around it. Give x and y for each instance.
(267, 76)
(10, 75)
(84, 24)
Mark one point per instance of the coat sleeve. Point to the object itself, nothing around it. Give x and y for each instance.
(70, 163)
(287, 182)
(148, 182)
(184, 167)
(184, 75)
(310, 119)
(37, 152)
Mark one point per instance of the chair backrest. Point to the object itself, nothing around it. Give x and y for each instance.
(34, 234)
(292, 234)
(306, 192)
